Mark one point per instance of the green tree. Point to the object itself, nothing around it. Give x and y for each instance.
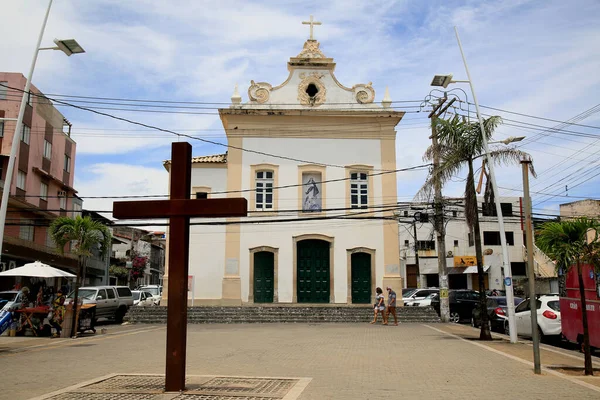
(573, 243)
(460, 144)
(83, 233)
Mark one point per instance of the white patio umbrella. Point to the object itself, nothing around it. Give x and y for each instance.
(37, 269)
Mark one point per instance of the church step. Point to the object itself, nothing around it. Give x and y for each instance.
(279, 314)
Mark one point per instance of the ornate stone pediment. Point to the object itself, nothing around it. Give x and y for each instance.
(364, 93)
(259, 92)
(311, 90)
(311, 50)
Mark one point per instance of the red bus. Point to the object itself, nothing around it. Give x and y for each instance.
(570, 307)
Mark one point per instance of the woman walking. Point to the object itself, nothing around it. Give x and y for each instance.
(379, 307)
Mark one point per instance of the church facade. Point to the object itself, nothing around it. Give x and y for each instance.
(315, 160)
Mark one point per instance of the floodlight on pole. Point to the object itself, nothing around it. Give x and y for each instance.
(509, 140)
(69, 47)
(444, 81)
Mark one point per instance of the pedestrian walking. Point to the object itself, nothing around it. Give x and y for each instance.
(391, 307)
(379, 306)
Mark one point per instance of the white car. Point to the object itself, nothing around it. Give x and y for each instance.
(155, 290)
(425, 302)
(548, 317)
(142, 298)
(418, 296)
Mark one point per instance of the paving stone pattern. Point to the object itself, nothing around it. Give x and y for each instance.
(344, 361)
(278, 314)
(142, 387)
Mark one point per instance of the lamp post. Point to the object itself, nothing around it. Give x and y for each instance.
(444, 81)
(69, 46)
(509, 140)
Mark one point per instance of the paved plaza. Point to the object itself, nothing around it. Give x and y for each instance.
(338, 361)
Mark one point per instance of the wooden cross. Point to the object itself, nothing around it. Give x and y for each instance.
(311, 23)
(179, 209)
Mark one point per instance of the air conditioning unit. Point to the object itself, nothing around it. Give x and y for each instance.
(62, 193)
(450, 254)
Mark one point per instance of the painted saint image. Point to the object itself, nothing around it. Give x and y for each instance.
(312, 197)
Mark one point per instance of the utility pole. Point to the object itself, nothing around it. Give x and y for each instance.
(416, 248)
(438, 220)
(530, 268)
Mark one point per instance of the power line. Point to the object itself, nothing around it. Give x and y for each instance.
(196, 138)
(160, 101)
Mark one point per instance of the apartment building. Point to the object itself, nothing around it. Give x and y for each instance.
(460, 246)
(42, 185)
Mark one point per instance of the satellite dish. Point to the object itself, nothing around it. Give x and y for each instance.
(488, 252)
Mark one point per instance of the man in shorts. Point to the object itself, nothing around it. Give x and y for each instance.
(391, 307)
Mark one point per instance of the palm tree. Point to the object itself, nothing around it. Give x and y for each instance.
(83, 233)
(573, 243)
(459, 145)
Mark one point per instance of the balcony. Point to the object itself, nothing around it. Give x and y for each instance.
(28, 250)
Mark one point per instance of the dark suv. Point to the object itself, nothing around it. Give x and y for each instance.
(462, 302)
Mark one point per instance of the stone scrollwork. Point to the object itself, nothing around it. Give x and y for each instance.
(311, 90)
(364, 93)
(259, 92)
(311, 50)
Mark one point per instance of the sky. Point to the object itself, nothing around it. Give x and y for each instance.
(529, 57)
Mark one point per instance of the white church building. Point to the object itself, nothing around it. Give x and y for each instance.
(315, 160)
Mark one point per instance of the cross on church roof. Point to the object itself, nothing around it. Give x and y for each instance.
(311, 23)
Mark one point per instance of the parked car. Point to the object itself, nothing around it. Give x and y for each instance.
(110, 301)
(9, 298)
(497, 307)
(500, 293)
(425, 302)
(462, 302)
(417, 295)
(155, 290)
(548, 318)
(142, 298)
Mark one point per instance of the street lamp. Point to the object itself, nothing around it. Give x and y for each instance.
(509, 140)
(68, 46)
(444, 81)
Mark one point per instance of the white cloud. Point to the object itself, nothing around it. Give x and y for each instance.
(524, 56)
(112, 179)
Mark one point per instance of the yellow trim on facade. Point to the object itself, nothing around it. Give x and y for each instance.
(231, 291)
(253, 170)
(391, 255)
(312, 168)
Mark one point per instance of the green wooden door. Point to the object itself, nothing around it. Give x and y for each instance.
(264, 263)
(313, 271)
(361, 277)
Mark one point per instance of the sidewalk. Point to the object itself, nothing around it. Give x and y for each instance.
(553, 360)
(335, 361)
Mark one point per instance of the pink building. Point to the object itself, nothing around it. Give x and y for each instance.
(42, 184)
